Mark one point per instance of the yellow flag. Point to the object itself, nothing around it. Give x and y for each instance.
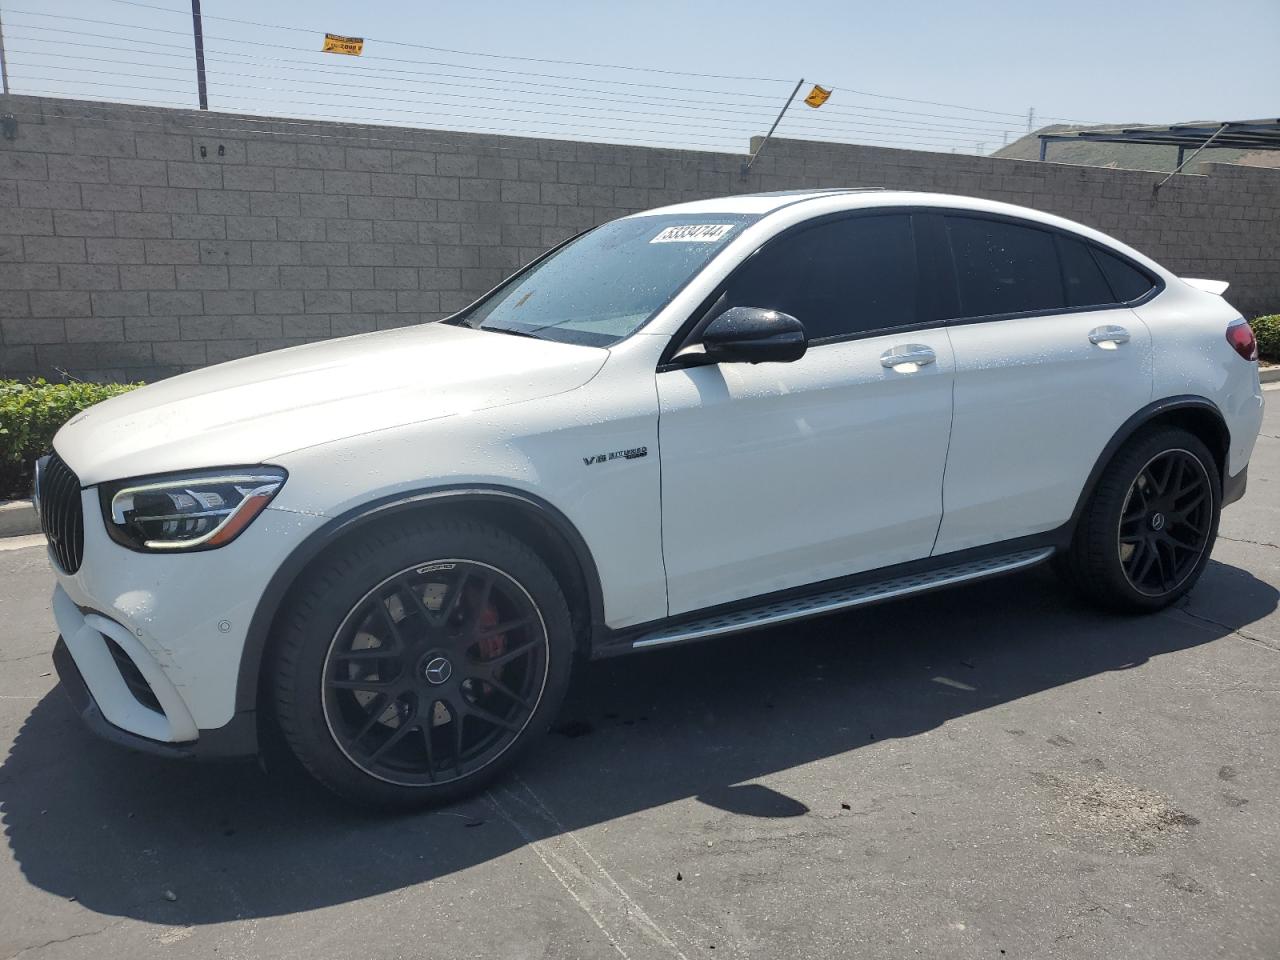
(817, 96)
(351, 46)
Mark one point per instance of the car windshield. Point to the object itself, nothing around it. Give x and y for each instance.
(609, 282)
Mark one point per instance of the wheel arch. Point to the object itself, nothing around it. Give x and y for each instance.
(1197, 415)
(535, 521)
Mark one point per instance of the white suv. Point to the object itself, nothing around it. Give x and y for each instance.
(682, 424)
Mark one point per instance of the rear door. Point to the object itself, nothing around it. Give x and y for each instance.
(778, 475)
(1050, 361)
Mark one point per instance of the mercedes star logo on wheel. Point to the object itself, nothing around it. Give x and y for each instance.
(438, 670)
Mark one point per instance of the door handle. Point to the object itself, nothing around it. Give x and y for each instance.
(914, 355)
(1108, 337)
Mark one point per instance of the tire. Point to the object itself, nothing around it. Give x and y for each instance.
(1140, 545)
(416, 663)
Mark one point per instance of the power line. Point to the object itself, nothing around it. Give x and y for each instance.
(420, 113)
(864, 93)
(257, 126)
(486, 131)
(888, 124)
(728, 136)
(460, 66)
(368, 133)
(695, 111)
(912, 135)
(579, 63)
(694, 121)
(693, 106)
(473, 53)
(302, 66)
(241, 107)
(664, 104)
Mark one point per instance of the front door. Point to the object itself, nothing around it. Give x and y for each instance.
(778, 475)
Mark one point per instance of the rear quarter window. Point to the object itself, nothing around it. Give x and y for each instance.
(1127, 282)
(1085, 284)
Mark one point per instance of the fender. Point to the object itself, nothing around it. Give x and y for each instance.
(286, 575)
(1150, 412)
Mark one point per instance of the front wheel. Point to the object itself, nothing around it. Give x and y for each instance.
(1146, 533)
(416, 663)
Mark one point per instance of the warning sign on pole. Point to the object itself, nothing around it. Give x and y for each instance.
(351, 46)
(817, 96)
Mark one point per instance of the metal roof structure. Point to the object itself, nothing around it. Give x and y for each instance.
(1200, 135)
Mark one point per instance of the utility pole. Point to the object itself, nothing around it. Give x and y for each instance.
(198, 31)
(981, 147)
(1031, 119)
(746, 166)
(1006, 138)
(4, 66)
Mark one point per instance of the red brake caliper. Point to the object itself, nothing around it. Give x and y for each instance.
(493, 645)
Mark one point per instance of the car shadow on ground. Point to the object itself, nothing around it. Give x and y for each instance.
(116, 830)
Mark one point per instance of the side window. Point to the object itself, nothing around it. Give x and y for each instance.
(1086, 286)
(837, 278)
(1003, 267)
(1127, 282)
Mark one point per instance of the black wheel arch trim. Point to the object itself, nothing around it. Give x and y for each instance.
(1146, 415)
(287, 573)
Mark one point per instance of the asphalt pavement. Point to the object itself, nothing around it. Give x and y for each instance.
(994, 771)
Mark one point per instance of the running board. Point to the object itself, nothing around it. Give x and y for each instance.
(845, 598)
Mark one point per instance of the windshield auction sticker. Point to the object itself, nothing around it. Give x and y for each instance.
(694, 233)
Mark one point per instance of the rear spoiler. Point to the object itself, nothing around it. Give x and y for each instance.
(1218, 287)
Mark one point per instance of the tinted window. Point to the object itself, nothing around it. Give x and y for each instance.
(1086, 286)
(1003, 267)
(1127, 282)
(837, 278)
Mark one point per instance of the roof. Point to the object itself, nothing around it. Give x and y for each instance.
(1235, 134)
(790, 207)
(756, 203)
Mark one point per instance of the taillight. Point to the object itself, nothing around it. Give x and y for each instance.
(1240, 336)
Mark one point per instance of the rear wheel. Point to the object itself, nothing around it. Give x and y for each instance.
(1148, 529)
(419, 662)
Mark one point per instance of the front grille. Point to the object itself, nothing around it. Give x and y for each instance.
(61, 514)
(133, 678)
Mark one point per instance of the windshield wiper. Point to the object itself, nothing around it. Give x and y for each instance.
(514, 333)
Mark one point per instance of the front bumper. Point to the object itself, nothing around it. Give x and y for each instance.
(123, 681)
(151, 644)
(87, 707)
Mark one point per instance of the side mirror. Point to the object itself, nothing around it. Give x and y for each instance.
(754, 335)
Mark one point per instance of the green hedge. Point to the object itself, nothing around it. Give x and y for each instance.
(30, 414)
(1267, 330)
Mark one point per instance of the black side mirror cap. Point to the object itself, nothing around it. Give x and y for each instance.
(753, 335)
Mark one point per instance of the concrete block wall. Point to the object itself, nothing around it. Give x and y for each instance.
(139, 242)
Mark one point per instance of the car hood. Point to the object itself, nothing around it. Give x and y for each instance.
(250, 410)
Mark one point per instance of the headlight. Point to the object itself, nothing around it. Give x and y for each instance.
(196, 511)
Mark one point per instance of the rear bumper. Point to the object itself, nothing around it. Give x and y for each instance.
(1233, 488)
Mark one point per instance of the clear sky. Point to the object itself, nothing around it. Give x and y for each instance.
(912, 73)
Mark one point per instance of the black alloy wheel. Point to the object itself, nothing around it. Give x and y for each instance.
(1144, 535)
(435, 672)
(1166, 522)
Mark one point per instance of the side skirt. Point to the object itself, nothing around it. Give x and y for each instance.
(891, 584)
